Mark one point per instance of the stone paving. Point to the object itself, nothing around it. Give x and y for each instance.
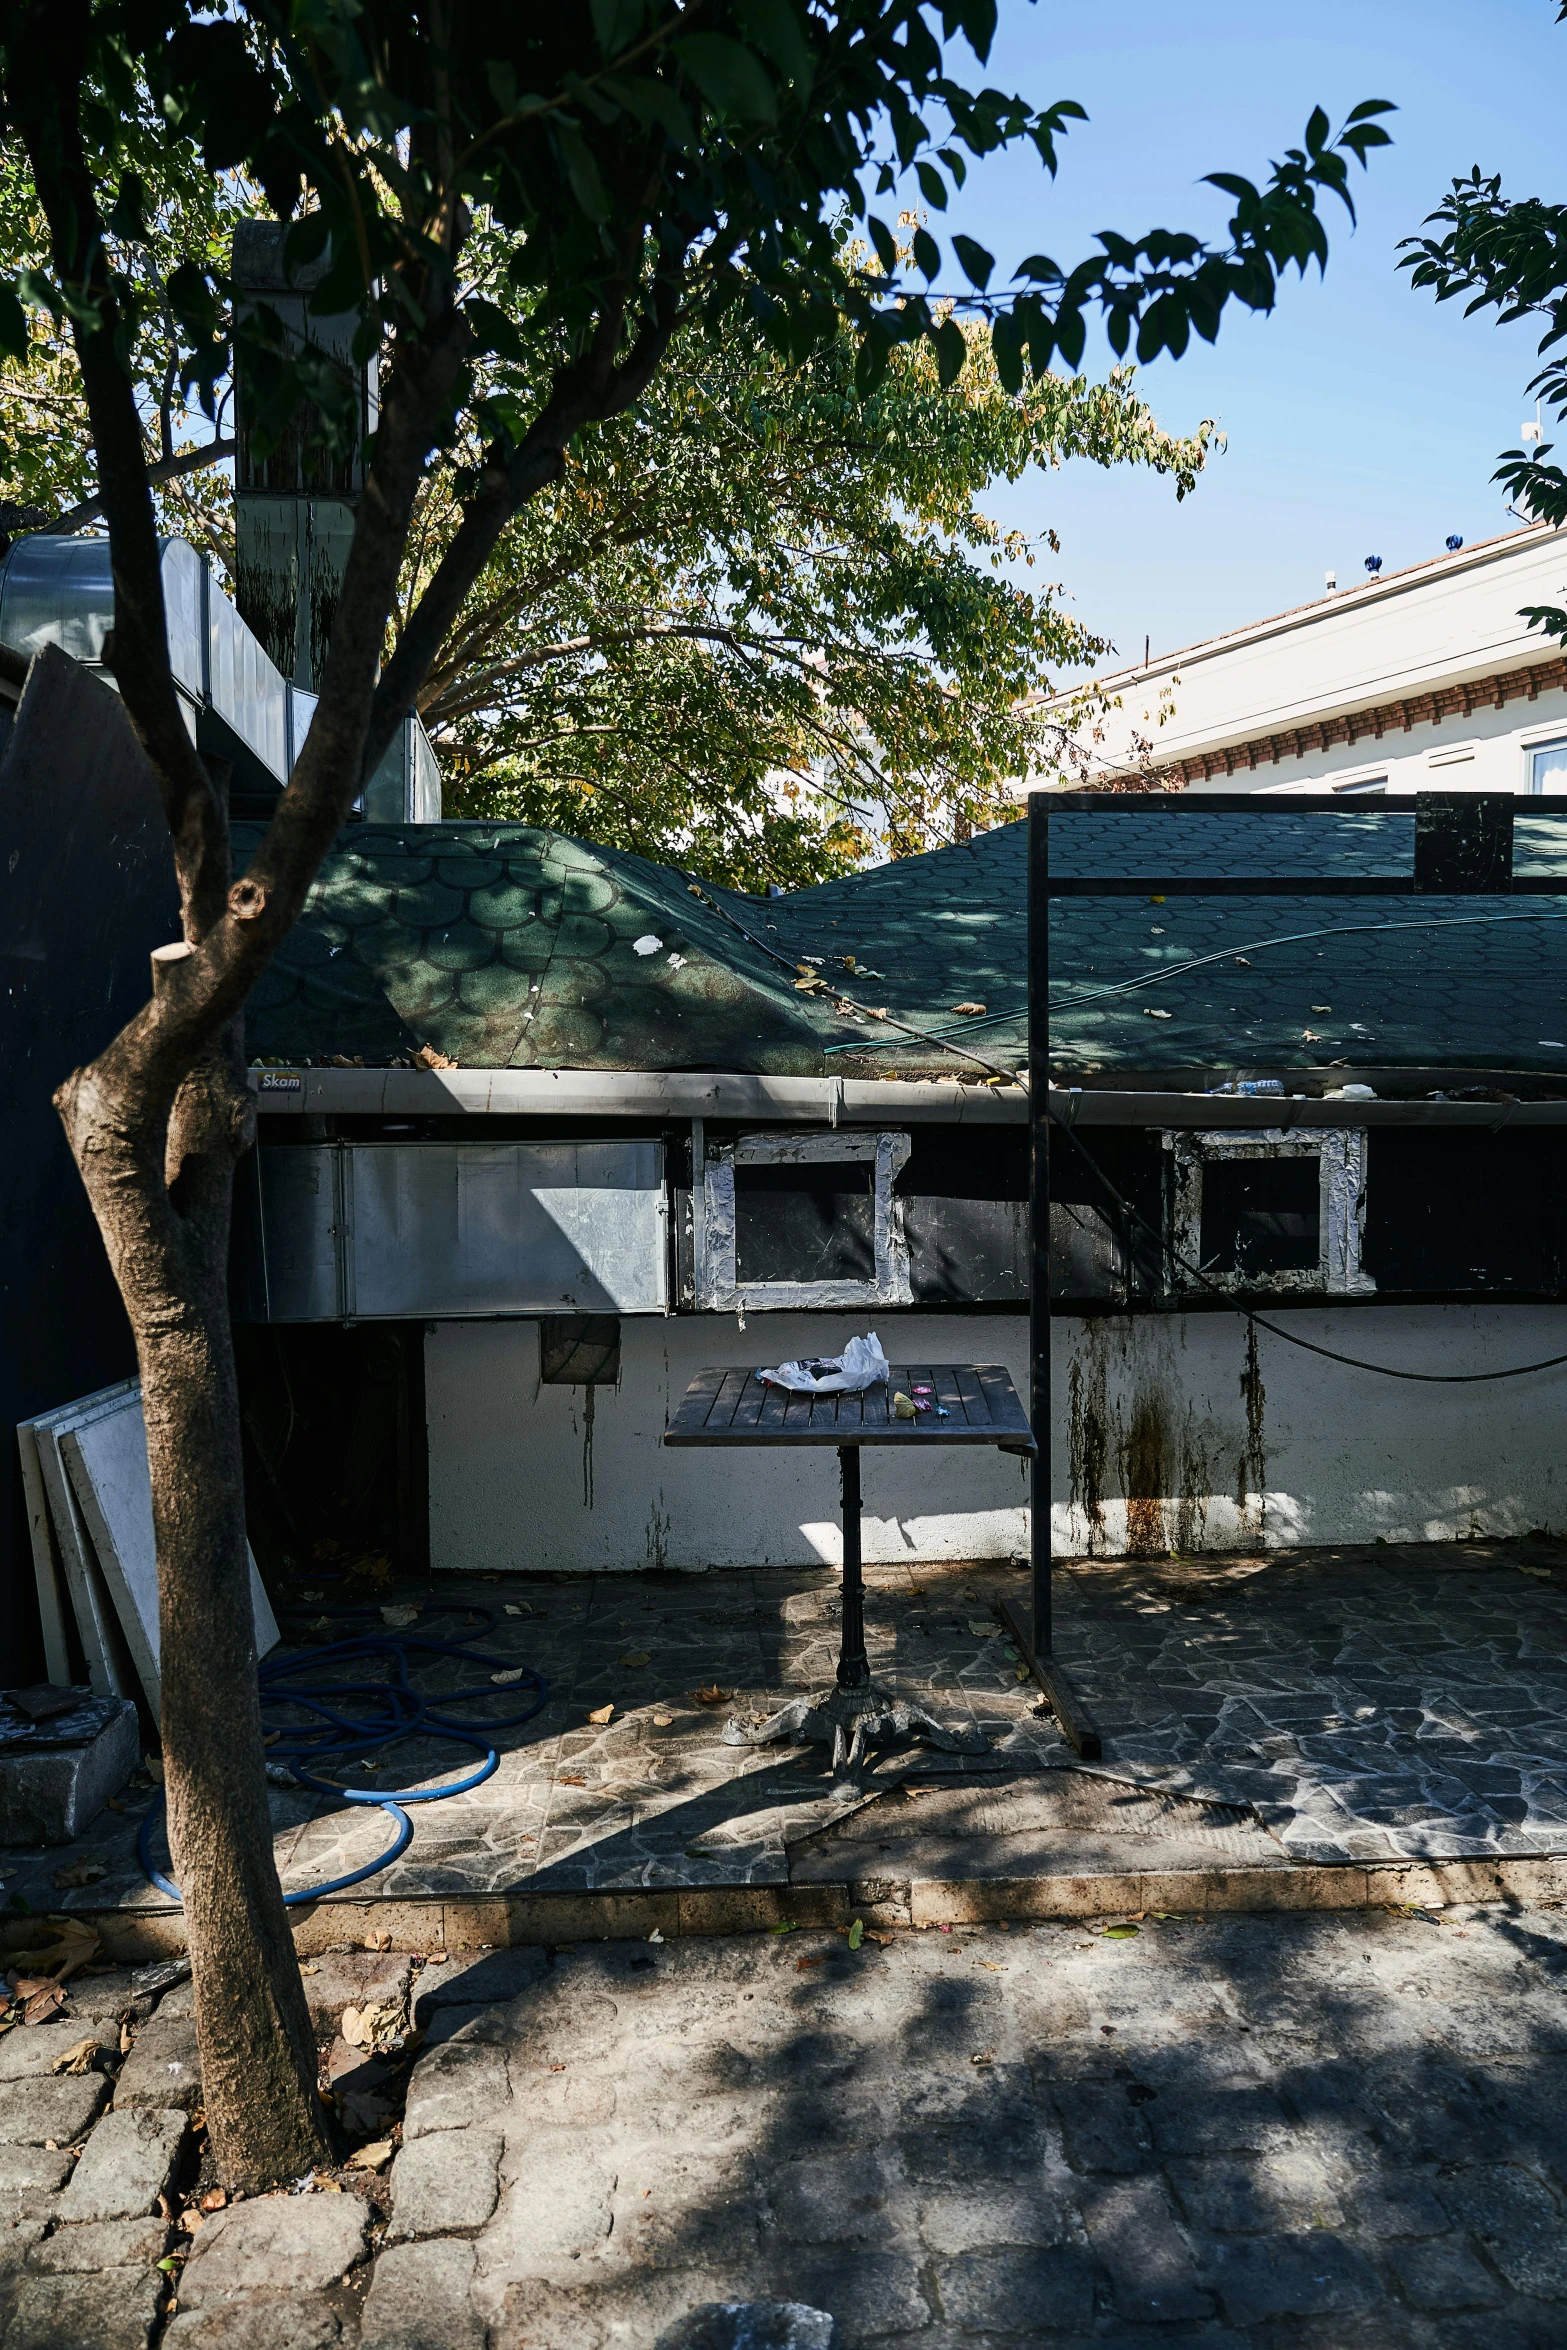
(1298, 2133)
(652, 1797)
(1370, 1704)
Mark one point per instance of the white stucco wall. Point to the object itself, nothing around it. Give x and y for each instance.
(518, 1481)
(1437, 624)
(1152, 1446)
(1156, 1406)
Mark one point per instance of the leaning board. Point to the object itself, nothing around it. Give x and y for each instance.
(106, 1460)
(62, 1546)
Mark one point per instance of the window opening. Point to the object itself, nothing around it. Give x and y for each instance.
(802, 1220)
(1269, 1213)
(815, 1222)
(1548, 766)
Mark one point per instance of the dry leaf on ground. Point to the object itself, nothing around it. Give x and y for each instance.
(662, 1721)
(570, 1779)
(505, 1680)
(968, 1007)
(80, 2057)
(637, 1656)
(373, 2157)
(83, 1872)
(712, 1695)
(400, 1617)
(601, 1715)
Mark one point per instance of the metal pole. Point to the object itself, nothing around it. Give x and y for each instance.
(1039, 1208)
(854, 1666)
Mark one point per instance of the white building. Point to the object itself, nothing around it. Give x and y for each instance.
(1427, 679)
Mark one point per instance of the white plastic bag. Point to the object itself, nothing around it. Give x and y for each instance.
(860, 1365)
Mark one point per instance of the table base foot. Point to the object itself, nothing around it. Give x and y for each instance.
(851, 1721)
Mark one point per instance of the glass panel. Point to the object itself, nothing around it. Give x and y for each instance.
(1548, 767)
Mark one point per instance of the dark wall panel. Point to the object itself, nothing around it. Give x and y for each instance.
(86, 893)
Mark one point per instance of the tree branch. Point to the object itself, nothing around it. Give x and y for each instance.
(191, 460)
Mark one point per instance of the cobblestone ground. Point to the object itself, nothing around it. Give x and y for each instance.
(1309, 2130)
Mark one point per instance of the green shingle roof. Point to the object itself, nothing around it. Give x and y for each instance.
(502, 946)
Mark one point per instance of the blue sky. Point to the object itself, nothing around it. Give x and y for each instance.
(1362, 418)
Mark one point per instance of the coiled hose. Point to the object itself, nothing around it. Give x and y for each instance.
(359, 1716)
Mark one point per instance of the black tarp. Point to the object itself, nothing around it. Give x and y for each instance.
(86, 893)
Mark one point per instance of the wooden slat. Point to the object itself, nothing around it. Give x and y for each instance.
(748, 1409)
(972, 1397)
(947, 1391)
(1006, 1411)
(775, 1406)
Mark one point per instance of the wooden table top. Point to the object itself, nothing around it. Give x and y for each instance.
(735, 1407)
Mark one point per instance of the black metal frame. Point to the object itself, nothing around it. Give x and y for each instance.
(1462, 847)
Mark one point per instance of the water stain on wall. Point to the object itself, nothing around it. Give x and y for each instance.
(1251, 1477)
(1143, 1451)
(1134, 1435)
(1088, 1437)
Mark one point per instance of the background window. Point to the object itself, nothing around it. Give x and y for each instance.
(1548, 766)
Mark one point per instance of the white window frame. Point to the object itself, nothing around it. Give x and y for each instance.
(718, 1286)
(1361, 787)
(1340, 1153)
(1531, 746)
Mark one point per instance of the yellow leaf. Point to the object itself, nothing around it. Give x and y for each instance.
(601, 1715)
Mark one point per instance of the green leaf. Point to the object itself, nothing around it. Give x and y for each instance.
(582, 172)
(885, 242)
(856, 1933)
(787, 1927)
(13, 324)
(977, 263)
(495, 330)
(927, 253)
(1006, 343)
(951, 351)
(616, 23)
(128, 219)
(1120, 1933)
(933, 185)
(728, 76)
(501, 75)
(774, 26)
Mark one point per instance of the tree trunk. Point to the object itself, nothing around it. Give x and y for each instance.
(165, 1223)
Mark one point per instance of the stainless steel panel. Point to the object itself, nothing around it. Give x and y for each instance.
(442, 1230)
(298, 1196)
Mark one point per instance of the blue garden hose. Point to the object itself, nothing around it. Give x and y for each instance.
(388, 1710)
